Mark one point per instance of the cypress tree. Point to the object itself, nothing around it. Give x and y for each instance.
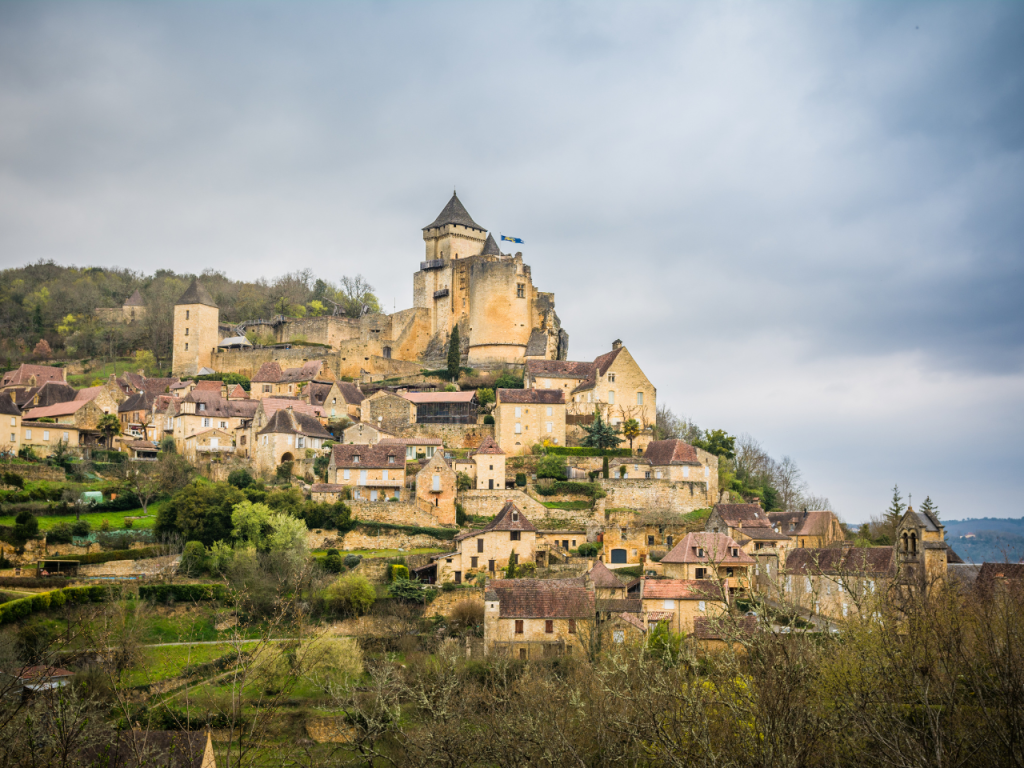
(454, 355)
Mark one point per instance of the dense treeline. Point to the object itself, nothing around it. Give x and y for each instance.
(54, 303)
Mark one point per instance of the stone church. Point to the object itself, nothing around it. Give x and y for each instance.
(464, 279)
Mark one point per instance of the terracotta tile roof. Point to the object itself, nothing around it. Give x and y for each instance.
(717, 548)
(454, 213)
(531, 396)
(603, 578)
(89, 393)
(196, 294)
(603, 362)
(208, 386)
(705, 628)
(665, 452)
(158, 385)
(560, 369)
(352, 394)
(811, 523)
(680, 589)
(22, 376)
(287, 421)
(406, 441)
(633, 621)
(439, 397)
(60, 409)
(217, 406)
(268, 372)
(757, 533)
(238, 393)
(272, 405)
(489, 447)
(1001, 571)
(750, 515)
(370, 456)
(163, 402)
(618, 606)
(839, 560)
(40, 672)
(541, 599)
(510, 518)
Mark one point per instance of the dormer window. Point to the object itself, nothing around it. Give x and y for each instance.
(391, 458)
(700, 552)
(515, 517)
(735, 552)
(202, 406)
(355, 459)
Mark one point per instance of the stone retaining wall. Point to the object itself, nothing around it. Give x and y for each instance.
(327, 539)
(650, 495)
(149, 567)
(452, 435)
(37, 472)
(445, 601)
(392, 513)
(489, 503)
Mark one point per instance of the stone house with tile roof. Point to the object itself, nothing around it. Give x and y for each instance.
(814, 528)
(43, 437)
(209, 443)
(749, 525)
(30, 375)
(526, 417)
(488, 550)
(838, 582)
(10, 426)
(363, 433)
(613, 383)
(538, 618)
(435, 487)
(388, 412)
(713, 556)
(288, 436)
(373, 472)
(339, 399)
(678, 602)
(488, 466)
(271, 380)
(201, 410)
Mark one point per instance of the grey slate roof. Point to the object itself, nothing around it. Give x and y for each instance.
(196, 294)
(490, 247)
(455, 213)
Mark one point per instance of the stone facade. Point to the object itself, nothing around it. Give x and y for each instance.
(196, 332)
(518, 425)
(43, 437)
(394, 513)
(657, 495)
(436, 489)
(389, 412)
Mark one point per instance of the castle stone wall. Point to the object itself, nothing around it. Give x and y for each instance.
(500, 321)
(652, 495)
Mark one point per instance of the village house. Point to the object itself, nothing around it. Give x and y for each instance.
(628, 541)
(485, 466)
(135, 415)
(209, 443)
(714, 556)
(677, 602)
(435, 487)
(538, 618)
(443, 407)
(364, 433)
(237, 392)
(43, 437)
(108, 396)
(372, 472)
(814, 529)
(526, 417)
(613, 384)
(84, 414)
(488, 549)
(48, 393)
(679, 461)
(749, 525)
(264, 410)
(388, 412)
(29, 375)
(415, 448)
(837, 582)
(339, 399)
(714, 634)
(271, 380)
(288, 436)
(202, 410)
(10, 417)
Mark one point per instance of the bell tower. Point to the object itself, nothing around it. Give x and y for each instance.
(196, 323)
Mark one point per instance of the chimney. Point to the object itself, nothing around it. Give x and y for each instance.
(617, 344)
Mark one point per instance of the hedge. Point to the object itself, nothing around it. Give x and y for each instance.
(95, 558)
(26, 606)
(163, 593)
(579, 451)
(570, 488)
(54, 582)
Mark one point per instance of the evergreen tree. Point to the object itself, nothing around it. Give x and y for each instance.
(600, 434)
(894, 513)
(454, 355)
(928, 506)
(513, 561)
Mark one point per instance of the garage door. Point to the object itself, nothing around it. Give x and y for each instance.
(618, 555)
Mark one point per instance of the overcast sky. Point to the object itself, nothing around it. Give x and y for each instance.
(806, 221)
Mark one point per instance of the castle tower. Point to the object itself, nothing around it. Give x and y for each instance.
(442, 282)
(501, 316)
(196, 321)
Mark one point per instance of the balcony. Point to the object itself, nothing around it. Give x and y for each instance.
(441, 294)
(434, 264)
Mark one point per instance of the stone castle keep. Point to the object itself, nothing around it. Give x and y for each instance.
(465, 279)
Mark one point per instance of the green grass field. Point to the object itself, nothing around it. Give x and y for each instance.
(567, 504)
(164, 663)
(116, 367)
(95, 519)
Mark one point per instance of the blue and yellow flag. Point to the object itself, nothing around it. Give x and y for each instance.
(508, 239)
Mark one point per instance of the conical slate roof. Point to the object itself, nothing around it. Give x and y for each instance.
(196, 294)
(135, 300)
(490, 247)
(454, 213)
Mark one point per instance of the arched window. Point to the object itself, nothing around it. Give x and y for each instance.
(906, 547)
(913, 543)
